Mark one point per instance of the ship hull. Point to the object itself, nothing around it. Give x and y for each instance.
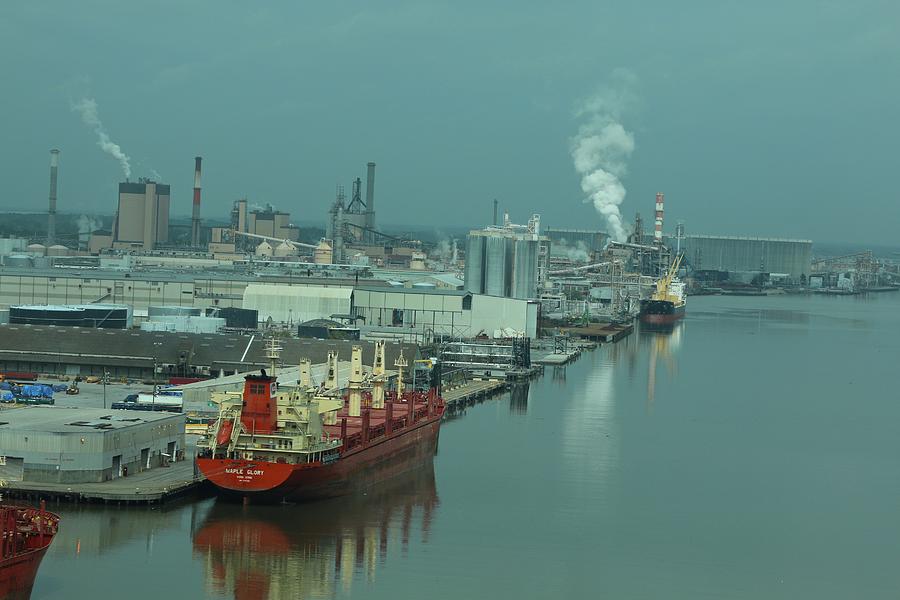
(17, 574)
(660, 312)
(358, 469)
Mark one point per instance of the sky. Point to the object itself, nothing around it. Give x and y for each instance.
(755, 118)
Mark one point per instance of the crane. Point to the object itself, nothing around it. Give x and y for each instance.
(663, 283)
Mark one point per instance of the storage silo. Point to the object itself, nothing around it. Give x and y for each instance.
(36, 249)
(496, 263)
(284, 249)
(264, 249)
(524, 276)
(323, 254)
(474, 271)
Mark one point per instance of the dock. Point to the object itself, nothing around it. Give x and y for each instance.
(153, 486)
(470, 392)
(607, 333)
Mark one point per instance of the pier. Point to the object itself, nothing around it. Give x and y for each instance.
(153, 486)
(470, 392)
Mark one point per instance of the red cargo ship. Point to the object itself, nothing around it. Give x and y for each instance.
(302, 444)
(25, 535)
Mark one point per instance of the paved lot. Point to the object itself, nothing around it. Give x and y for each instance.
(91, 394)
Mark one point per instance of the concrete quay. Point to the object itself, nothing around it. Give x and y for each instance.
(152, 486)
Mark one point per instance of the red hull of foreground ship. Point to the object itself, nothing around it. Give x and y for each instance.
(302, 444)
(26, 534)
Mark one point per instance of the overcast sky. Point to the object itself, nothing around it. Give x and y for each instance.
(755, 118)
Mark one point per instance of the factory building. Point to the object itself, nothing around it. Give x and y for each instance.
(749, 255)
(80, 445)
(142, 218)
(272, 223)
(509, 261)
(353, 222)
(228, 241)
(425, 314)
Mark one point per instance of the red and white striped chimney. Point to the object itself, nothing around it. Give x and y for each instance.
(657, 228)
(195, 215)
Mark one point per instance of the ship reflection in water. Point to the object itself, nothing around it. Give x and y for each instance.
(311, 550)
(664, 341)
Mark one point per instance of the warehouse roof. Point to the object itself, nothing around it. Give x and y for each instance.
(428, 291)
(120, 347)
(56, 419)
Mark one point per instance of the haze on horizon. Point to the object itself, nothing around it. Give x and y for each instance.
(773, 119)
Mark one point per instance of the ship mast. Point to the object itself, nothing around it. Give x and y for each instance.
(400, 363)
(273, 353)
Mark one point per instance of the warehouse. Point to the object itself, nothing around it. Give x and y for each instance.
(749, 254)
(140, 354)
(80, 445)
(421, 314)
(142, 289)
(295, 304)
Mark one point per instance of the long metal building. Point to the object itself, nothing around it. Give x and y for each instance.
(748, 254)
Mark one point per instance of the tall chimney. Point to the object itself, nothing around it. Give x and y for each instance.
(195, 216)
(370, 196)
(657, 229)
(51, 214)
(495, 212)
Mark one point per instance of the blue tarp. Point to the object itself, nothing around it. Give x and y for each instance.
(5, 385)
(60, 387)
(36, 391)
(7, 396)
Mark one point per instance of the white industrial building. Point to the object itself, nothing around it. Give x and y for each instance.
(422, 314)
(296, 304)
(76, 445)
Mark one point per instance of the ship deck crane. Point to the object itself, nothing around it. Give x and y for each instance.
(663, 283)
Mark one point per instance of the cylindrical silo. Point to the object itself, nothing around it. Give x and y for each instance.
(496, 274)
(474, 272)
(525, 267)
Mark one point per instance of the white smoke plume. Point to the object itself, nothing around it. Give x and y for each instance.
(88, 224)
(578, 252)
(87, 108)
(601, 149)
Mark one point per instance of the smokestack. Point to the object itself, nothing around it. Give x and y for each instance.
(370, 195)
(657, 229)
(195, 216)
(51, 214)
(495, 212)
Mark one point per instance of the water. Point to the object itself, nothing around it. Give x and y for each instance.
(750, 453)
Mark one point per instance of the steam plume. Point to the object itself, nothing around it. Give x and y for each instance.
(600, 151)
(87, 108)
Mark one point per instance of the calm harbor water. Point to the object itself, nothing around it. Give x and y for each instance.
(752, 452)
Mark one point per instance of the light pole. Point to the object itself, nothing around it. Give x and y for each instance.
(105, 381)
(155, 387)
